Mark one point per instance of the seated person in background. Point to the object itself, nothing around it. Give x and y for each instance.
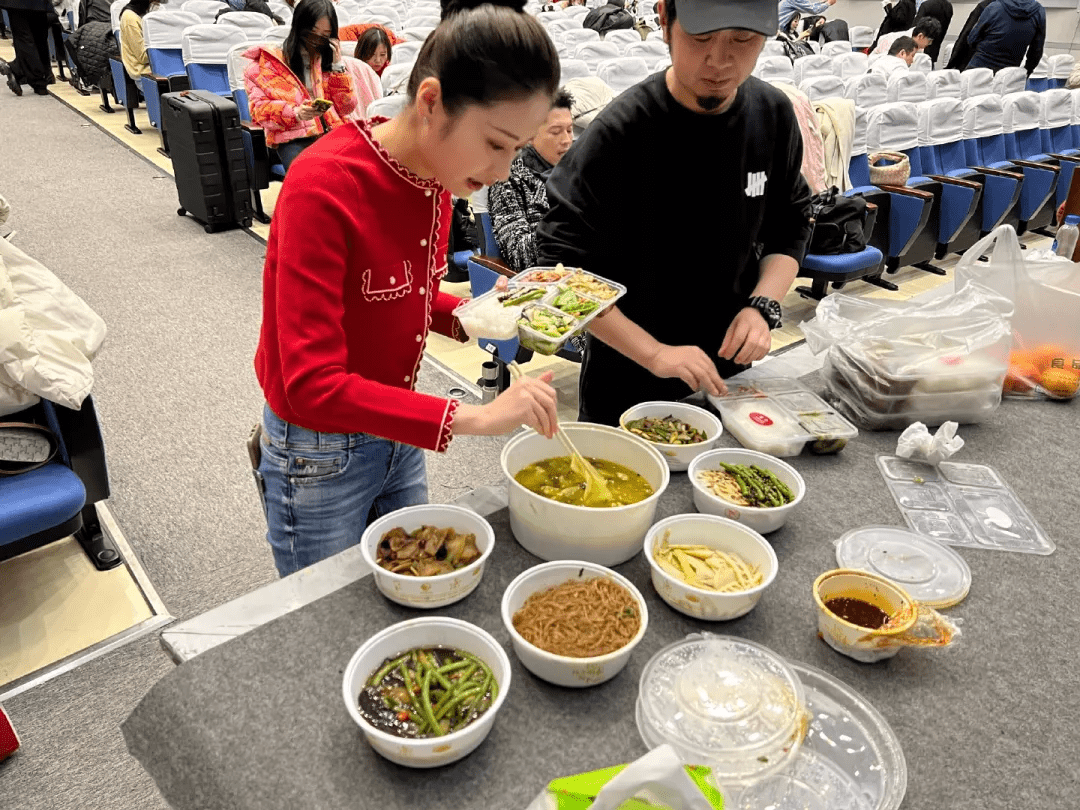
(900, 56)
(942, 11)
(367, 84)
(925, 32)
(562, 5)
(609, 17)
(283, 82)
(132, 44)
(353, 32)
(375, 49)
(257, 6)
(520, 202)
(796, 8)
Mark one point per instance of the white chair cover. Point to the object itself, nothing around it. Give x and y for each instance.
(943, 84)
(941, 121)
(276, 35)
(252, 23)
(946, 54)
(660, 36)
(554, 27)
(976, 82)
(922, 63)
(595, 52)
(573, 69)
(281, 9)
(821, 87)
(862, 36)
(1057, 108)
(385, 10)
(165, 29)
(1076, 105)
(205, 10)
(406, 51)
(237, 64)
(982, 116)
(622, 73)
(577, 36)
(387, 107)
(873, 58)
(773, 47)
(850, 65)
(207, 44)
(808, 67)
(426, 20)
(649, 51)
(1020, 111)
(547, 16)
(622, 37)
(417, 34)
(365, 17)
(858, 138)
(575, 11)
(662, 65)
(774, 68)
(1010, 80)
(837, 47)
(1061, 65)
(907, 85)
(892, 127)
(1042, 70)
(395, 78)
(868, 90)
(118, 6)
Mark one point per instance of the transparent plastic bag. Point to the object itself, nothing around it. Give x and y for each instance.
(888, 364)
(1045, 291)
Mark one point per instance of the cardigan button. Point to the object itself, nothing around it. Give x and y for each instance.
(423, 243)
(423, 290)
(419, 338)
(427, 193)
(407, 378)
(393, 280)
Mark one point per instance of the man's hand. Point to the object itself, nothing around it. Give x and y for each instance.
(691, 365)
(748, 338)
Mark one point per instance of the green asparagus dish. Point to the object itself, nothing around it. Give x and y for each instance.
(428, 692)
(747, 485)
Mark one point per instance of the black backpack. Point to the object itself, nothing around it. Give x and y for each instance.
(839, 223)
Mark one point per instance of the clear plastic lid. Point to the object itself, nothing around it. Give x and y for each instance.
(726, 702)
(933, 574)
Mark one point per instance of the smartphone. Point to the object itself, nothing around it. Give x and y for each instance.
(322, 105)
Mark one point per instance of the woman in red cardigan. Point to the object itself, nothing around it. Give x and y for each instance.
(357, 248)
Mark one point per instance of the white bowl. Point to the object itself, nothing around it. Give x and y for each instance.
(427, 631)
(560, 669)
(559, 531)
(760, 519)
(721, 534)
(439, 590)
(678, 456)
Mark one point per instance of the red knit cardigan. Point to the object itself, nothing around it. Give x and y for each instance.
(350, 289)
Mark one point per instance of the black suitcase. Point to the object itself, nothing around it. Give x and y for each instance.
(207, 150)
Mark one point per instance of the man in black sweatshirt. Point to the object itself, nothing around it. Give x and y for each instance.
(687, 188)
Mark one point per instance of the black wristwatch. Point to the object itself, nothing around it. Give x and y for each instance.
(769, 309)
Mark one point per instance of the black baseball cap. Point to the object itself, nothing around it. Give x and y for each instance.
(703, 16)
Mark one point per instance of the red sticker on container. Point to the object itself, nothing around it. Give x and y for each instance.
(953, 360)
(760, 419)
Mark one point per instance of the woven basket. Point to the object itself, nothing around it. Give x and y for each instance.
(889, 168)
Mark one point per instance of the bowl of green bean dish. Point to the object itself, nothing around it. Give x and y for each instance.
(425, 692)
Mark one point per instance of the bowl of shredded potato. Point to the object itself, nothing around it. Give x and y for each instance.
(709, 567)
(756, 489)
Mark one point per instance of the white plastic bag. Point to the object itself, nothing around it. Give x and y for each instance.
(916, 442)
(1045, 357)
(888, 364)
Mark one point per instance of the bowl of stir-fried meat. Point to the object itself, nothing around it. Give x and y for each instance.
(428, 556)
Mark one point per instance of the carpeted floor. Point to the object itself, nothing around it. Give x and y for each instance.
(177, 396)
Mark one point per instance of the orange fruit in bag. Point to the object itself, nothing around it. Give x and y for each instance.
(1021, 378)
(1060, 382)
(1045, 354)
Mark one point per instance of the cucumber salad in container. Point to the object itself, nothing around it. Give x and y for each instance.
(542, 307)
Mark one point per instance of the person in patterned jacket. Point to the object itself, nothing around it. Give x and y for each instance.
(520, 202)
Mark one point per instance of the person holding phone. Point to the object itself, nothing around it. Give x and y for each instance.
(284, 84)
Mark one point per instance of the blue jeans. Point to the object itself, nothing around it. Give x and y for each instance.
(290, 150)
(321, 490)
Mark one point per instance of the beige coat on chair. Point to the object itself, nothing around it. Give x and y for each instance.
(836, 117)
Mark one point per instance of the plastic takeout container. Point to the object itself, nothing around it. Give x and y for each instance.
(552, 283)
(724, 702)
(782, 417)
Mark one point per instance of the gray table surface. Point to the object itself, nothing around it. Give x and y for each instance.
(258, 722)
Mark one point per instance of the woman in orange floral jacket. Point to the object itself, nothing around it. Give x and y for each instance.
(282, 84)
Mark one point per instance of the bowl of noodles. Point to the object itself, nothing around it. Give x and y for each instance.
(757, 490)
(574, 623)
(709, 567)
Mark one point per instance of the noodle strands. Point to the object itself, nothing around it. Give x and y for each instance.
(580, 618)
(707, 568)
